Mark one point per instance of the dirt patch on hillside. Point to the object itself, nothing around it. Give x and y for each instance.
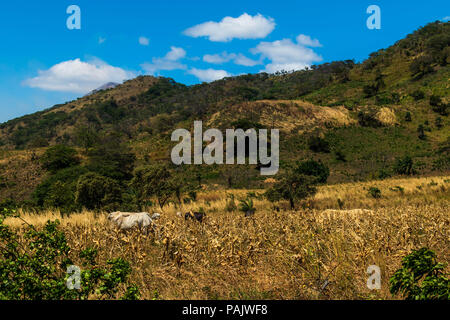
(287, 115)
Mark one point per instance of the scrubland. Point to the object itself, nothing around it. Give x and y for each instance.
(307, 253)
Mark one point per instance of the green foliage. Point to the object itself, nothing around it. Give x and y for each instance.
(231, 205)
(153, 181)
(86, 137)
(295, 184)
(94, 191)
(59, 157)
(438, 106)
(374, 192)
(313, 168)
(34, 267)
(421, 66)
(421, 132)
(58, 189)
(403, 165)
(421, 277)
(246, 206)
(112, 159)
(408, 116)
(367, 118)
(417, 95)
(318, 144)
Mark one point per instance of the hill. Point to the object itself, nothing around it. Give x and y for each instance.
(363, 116)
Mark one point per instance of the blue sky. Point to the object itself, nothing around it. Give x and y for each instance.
(43, 63)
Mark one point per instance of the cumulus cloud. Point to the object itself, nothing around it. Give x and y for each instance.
(143, 41)
(168, 62)
(77, 76)
(229, 28)
(307, 41)
(101, 40)
(224, 57)
(287, 55)
(447, 18)
(209, 75)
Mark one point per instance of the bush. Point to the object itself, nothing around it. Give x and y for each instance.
(59, 157)
(403, 165)
(408, 116)
(313, 168)
(35, 267)
(375, 192)
(421, 277)
(317, 144)
(417, 95)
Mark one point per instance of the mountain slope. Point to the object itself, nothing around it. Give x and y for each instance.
(369, 113)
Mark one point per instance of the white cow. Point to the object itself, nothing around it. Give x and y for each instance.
(130, 220)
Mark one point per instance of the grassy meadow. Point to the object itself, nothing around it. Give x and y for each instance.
(308, 253)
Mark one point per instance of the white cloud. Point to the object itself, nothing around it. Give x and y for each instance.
(77, 76)
(223, 57)
(243, 27)
(168, 62)
(101, 40)
(307, 41)
(209, 75)
(447, 18)
(143, 41)
(286, 55)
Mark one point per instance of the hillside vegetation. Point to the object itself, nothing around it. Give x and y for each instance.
(360, 119)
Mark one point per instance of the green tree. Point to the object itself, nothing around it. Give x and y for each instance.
(59, 157)
(403, 165)
(313, 168)
(86, 137)
(94, 191)
(112, 158)
(295, 184)
(153, 181)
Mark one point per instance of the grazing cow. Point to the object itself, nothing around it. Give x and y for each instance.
(130, 220)
(195, 216)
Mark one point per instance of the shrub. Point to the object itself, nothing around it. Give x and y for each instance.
(59, 157)
(375, 192)
(403, 165)
(421, 277)
(421, 66)
(417, 95)
(408, 116)
(421, 132)
(313, 168)
(246, 206)
(317, 144)
(34, 267)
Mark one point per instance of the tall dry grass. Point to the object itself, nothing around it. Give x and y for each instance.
(277, 255)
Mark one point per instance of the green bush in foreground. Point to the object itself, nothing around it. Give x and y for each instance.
(421, 277)
(36, 268)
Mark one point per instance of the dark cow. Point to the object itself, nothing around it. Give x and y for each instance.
(195, 216)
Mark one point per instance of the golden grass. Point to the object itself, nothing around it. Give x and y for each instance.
(278, 255)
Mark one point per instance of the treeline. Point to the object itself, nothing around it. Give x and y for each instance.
(104, 176)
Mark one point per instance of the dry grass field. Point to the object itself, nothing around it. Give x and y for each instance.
(276, 254)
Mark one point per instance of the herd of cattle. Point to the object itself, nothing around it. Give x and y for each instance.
(146, 222)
